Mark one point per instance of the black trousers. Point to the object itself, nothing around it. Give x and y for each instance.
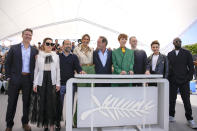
(185, 95)
(25, 84)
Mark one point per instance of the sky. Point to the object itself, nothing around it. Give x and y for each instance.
(190, 35)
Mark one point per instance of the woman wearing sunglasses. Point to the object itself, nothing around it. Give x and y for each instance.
(44, 107)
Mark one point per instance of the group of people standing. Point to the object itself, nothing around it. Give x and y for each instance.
(47, 73)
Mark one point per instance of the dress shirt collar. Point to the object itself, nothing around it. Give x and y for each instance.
(106, 51)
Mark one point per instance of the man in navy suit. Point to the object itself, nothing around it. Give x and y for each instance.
(19, 66)
(181, 70)
(102, 59)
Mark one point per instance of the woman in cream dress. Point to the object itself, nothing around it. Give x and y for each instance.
(85, 55)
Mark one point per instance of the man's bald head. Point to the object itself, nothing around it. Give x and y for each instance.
(177, 43)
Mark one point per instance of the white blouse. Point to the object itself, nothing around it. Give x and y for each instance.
(47, 66)
(40, 68)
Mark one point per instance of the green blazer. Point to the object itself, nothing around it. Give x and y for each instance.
(122, 61)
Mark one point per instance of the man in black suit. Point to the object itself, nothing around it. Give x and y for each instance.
(140, 59)
(181, 70)
(19, 66)
(102, 59)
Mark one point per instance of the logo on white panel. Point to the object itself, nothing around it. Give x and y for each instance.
(114, 107)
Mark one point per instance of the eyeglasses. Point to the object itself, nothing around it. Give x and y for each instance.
(49, 44)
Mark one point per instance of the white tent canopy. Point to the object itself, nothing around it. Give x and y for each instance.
(148, 20)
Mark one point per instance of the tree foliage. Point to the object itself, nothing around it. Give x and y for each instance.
(192, 48)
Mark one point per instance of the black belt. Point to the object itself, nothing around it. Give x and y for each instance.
(25, 74)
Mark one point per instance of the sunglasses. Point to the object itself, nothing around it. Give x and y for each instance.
(49, 44)
(177, 41)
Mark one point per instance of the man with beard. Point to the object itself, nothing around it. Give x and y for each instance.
(69, 62)
(181, 70)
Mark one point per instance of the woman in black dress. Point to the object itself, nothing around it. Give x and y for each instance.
(45, 102)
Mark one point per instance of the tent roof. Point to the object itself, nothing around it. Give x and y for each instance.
(147, 20)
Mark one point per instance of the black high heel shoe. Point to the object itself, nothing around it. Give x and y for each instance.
(46, 129)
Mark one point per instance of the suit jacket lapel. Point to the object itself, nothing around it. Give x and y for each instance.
(20, 56)
(125, 56)
(174, 54)
(151, 58)
(120, 52)
(126, 52)
(180, 52)
(108, 56)
(98, 58)
(159, 60)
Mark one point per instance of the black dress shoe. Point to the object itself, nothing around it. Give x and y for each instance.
(46, 129)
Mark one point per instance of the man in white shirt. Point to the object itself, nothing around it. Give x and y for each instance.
(157, 63)
(102, 58)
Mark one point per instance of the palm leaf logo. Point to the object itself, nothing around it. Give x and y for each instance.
(115, 108)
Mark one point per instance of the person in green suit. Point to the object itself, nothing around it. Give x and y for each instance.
(123, 59)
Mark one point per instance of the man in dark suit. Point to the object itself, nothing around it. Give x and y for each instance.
(19, 66)
(102, 59)
(181, 70)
